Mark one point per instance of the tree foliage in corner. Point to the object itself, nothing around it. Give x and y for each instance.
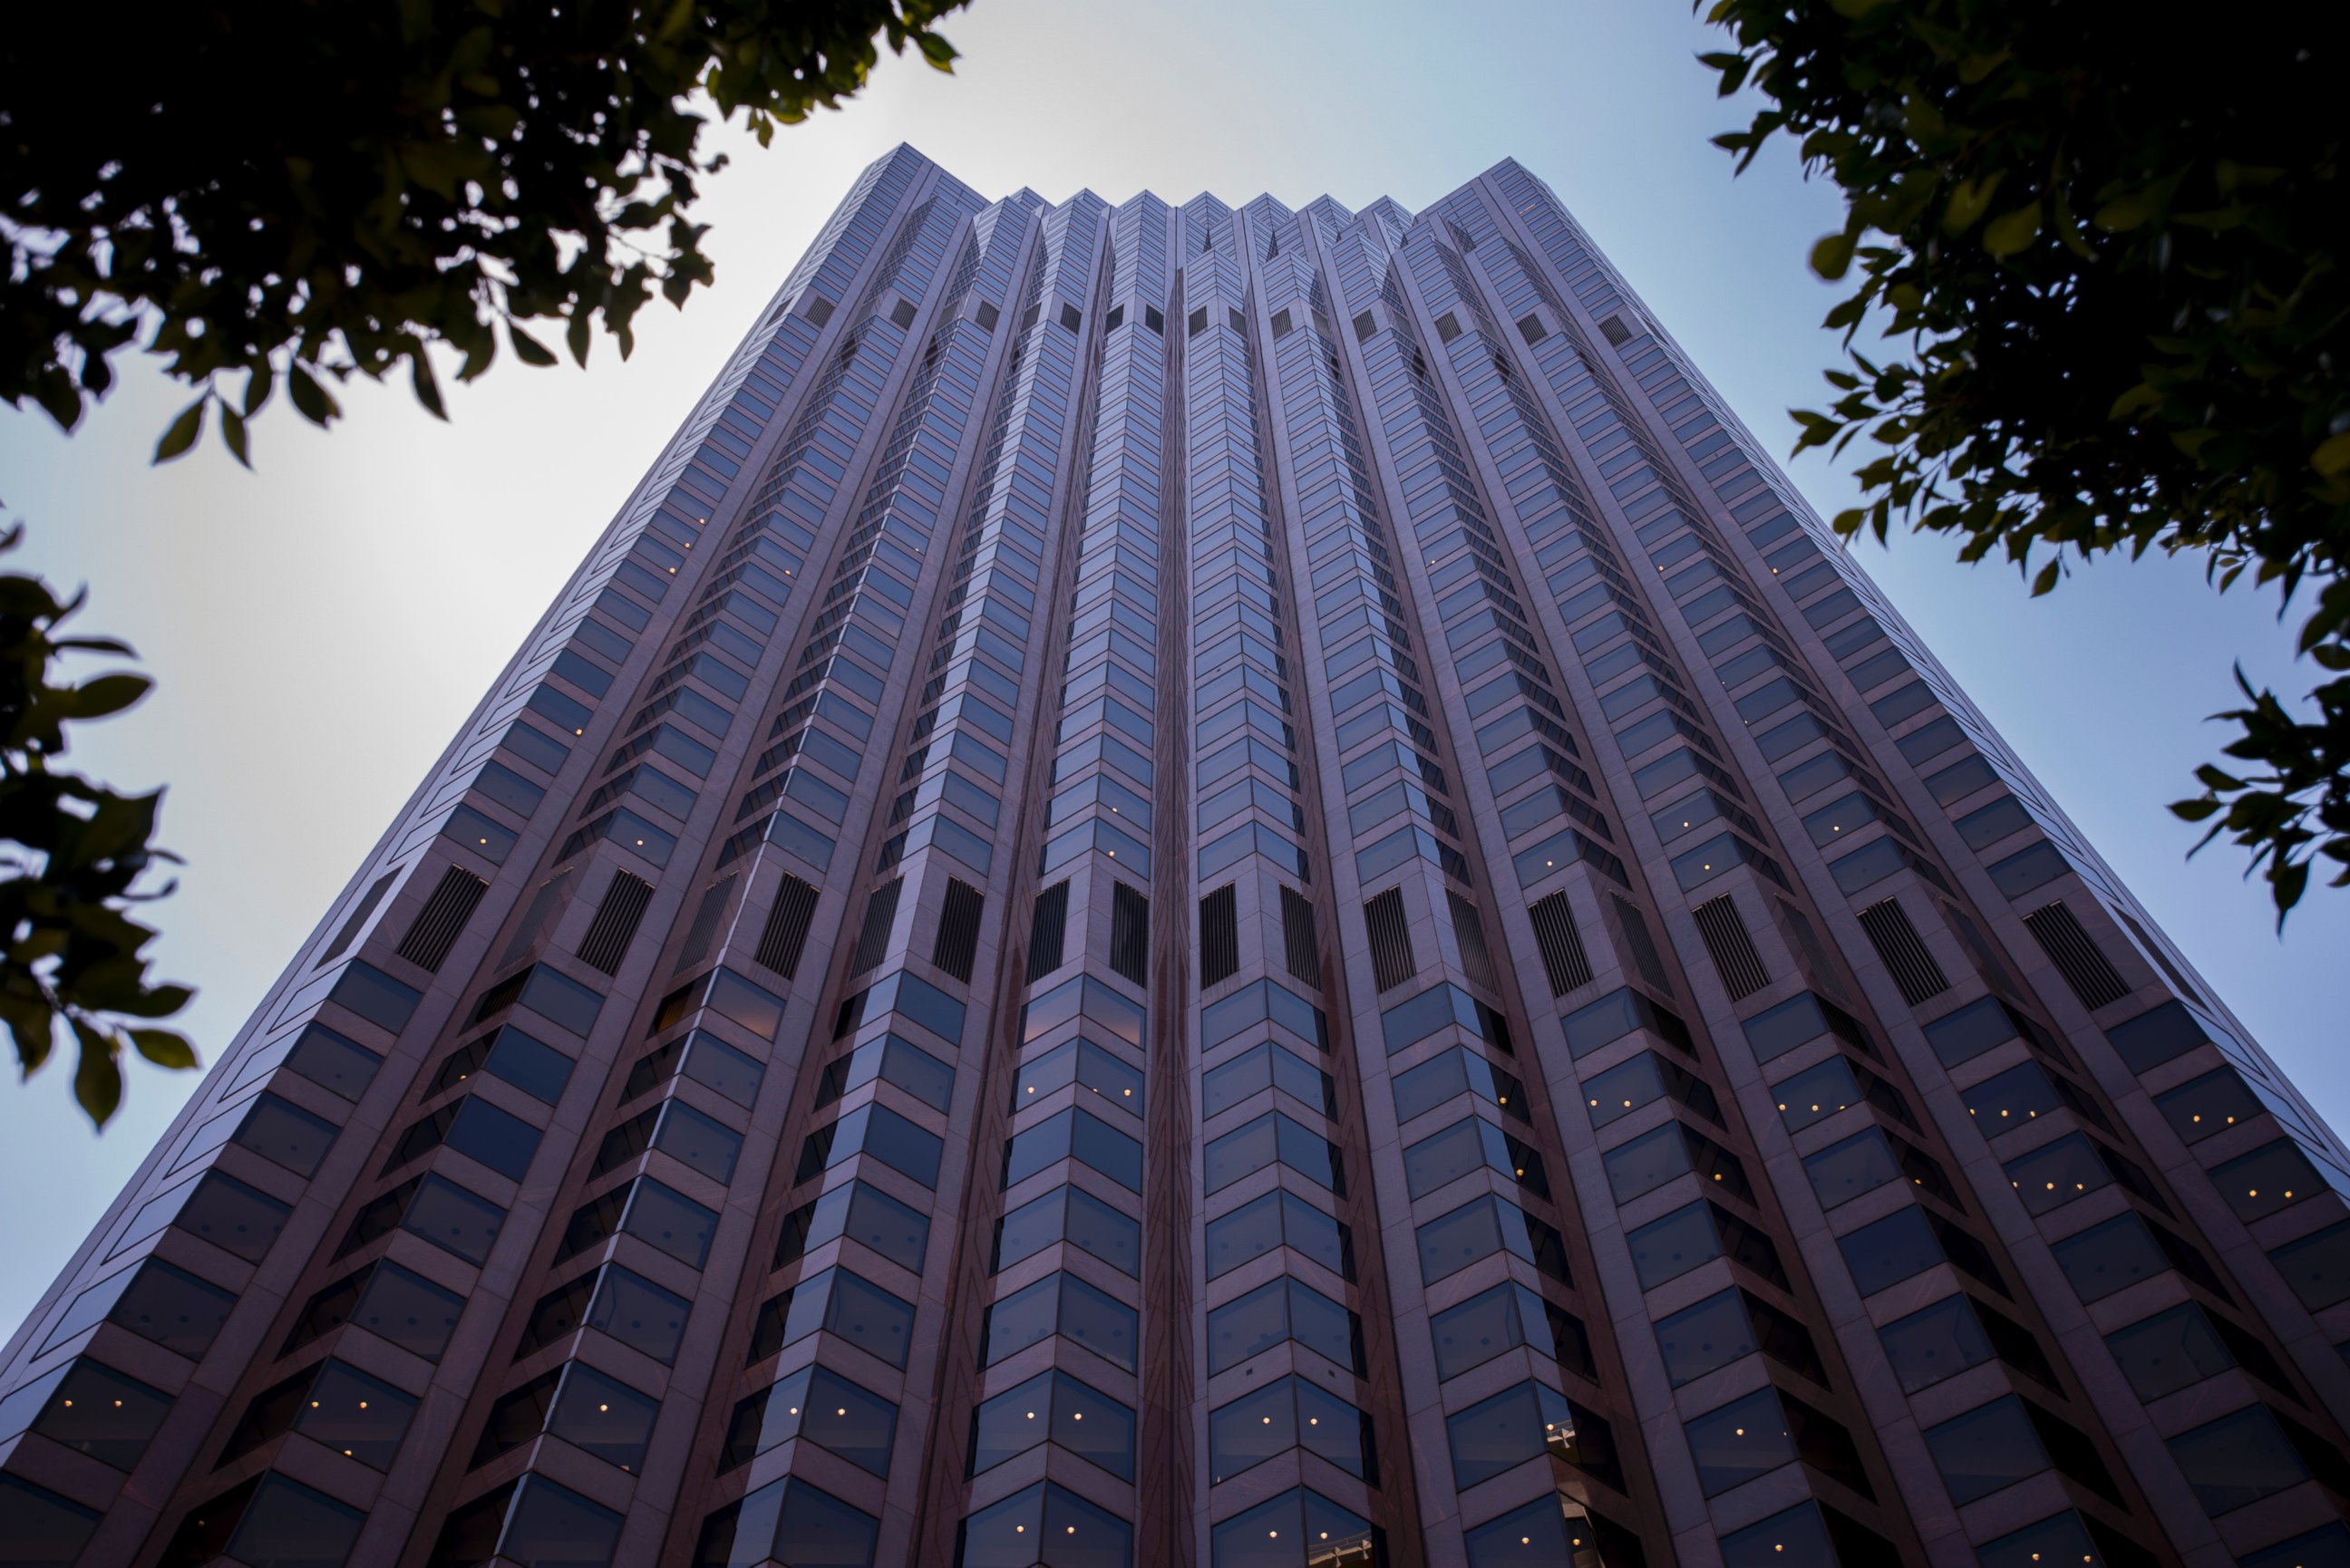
(269, 190)
(2108, 252)
(72, 853)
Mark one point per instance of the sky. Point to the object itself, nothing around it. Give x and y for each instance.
(319, 626)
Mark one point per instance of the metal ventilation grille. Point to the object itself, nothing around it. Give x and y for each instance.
(1130, 933)
(1220, 936)
(350, 933)
(615, 925)
(785, 935)
(1614, 331)
(704, 933)
(2076, 955)
(1476, 959)
(444, 914)
(1305, 954)
(1562, 956)
(958, 939)
(1897, 941)
(1640, 944)
(1391, 960)
(873, 937)
(1730, 947)
(1048, 930)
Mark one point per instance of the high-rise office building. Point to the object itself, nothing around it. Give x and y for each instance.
(1228, 887)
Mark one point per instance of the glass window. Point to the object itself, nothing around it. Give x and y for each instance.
(2110, 1257)
(1497, 1435)
(454, 1219)
(90, 1408)
(854, 1309)
(1064, 1305)
(897, 1060)
(288, 1523)
(1045, 1524)
(1101, 1077)
(550, 1526)
(530, 1064)
(1546, 1533)
(1859, 1164)
(42, 1526)
(1283, 1309)
(158, 1301)
(356, 1415)
(285, 1134)
(1264, 1066)
(666, 1219)
(1085, 1222)
(1616, 1014)
(2057, 1173)
(1281, 1416)
(1470, 1145)
(2150, 1039)
(1963, 1035)
(1270, 1138)
(1481, 1227)
(863, 1214)
(1279, 1218)
(1702, 1338)
(502, 1141)
(2169, 1351)
(2272, 1177)
(333, 1061)
(2020, 1095)
(639, 1312)
(1668, 1247)
(1461, 1071)
(2238, 1460)
(698, 1141)
(1891, 1250)
(1935, 1343)
(1817, 1093)
(1804, 1017)
(2317, 1266)
(2210, 1104)
(1500, 1319)
(1745, 1438)
(1298, 1529)
(1058, 1408)
(1798, 1535)
(604, 1416)
(1073, 1134)
(1987, 1448)
(229, 1214)
(2328, 1547)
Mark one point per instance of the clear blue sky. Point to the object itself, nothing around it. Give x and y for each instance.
(321, 627)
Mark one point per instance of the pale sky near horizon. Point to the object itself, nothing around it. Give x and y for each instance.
(319, 627)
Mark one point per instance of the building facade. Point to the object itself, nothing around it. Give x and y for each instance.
(1213, 886)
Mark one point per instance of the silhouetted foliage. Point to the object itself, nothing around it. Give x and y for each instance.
(2107, 253)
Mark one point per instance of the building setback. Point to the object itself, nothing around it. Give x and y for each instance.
(1213, 886)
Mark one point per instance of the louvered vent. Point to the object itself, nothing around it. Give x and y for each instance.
(1476, 959)
(1391, 960)
(958, 940)
(1130, 933)
(1640, 944)
(1987, 957)
(2155, 950)
(785, 935)
(1220, 936)
(1305, 954)
(2076, 955)
(1564, 958)
(1905, 953)
(1730, 947)
(1048, 931)
(873, 937)
(615, 925)
(444, 914)
(704, 933)
(350, 933)
(1799, 926)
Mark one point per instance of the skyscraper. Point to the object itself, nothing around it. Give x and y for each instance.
(1228, 887)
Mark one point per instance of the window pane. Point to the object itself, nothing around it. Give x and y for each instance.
(553, 1527)
(1698, 1339)
(2169, 1351)
(2238, 1459)
(1668, 1247)
(354, 1414)
(638, 1313)
(1986, 1450)
(288, 1525)
(603, 1417)
(1743, 1440)
(1935, 1343)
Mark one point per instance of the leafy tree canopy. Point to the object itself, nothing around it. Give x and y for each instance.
(2107, 247)
(72, 856)
(268, 191)
(301, 191)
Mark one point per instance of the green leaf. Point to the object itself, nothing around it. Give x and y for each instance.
(109, 694)
(2333, 455)
(2047, 579)
(164, 1048)
(528, 350)
(1969, 200)
(97, 1076)
(232, 435)
(2122, 214)
(2193, 810)
(2010, 232)
(1831, 256)
(420, 376)
(183, 431)
(310, 398)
